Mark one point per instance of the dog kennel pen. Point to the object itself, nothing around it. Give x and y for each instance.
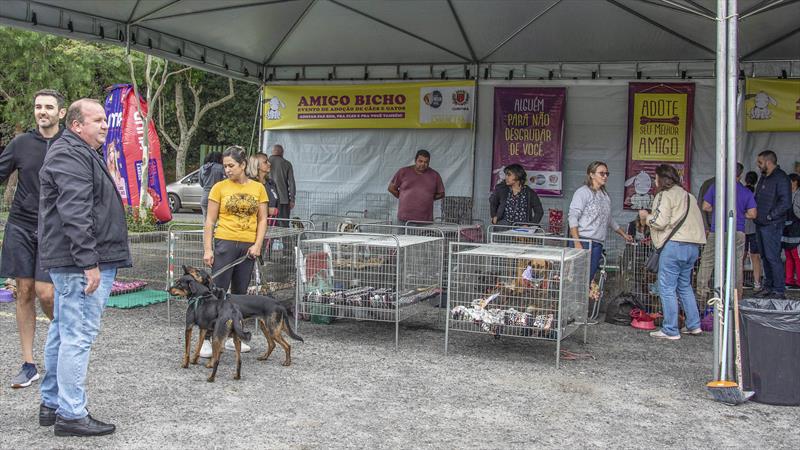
(273, 273)
(351, 220)
(637, 280)
(383, 277)
(525, 291)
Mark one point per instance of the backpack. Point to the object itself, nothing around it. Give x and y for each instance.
(618, 311)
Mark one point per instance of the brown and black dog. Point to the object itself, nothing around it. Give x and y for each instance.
(210, 314)
(271, 316)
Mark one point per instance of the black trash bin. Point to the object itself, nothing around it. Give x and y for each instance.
(770, 333)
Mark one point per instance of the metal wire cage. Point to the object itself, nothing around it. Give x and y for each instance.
(526, 291)
(637, 280)
(383, 277)
(274, 273)
(348, 222)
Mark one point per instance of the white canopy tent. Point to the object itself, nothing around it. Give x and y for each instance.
(289, 39)
(590, 46)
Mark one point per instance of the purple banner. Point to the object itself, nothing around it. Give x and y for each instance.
(529, 130)
(112, 150)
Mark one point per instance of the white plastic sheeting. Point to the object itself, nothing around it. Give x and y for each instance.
(357, 162)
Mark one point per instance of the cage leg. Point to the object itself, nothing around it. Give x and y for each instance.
(585, 331)
(558, 350)
(396, 333)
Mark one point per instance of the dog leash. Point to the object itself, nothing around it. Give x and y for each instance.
(228, 266)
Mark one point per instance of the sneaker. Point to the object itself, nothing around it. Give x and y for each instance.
(763, 292)
(229, 346)
(660, 334)
(205, 350)
(27, 375)
(695, 332)
(756, 285)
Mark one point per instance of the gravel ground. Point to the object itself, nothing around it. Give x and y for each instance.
(348, 387)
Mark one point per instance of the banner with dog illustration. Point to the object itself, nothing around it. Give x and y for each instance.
(529, 131)
(430, 104)
(659, 132)
(772, 105)
(123, 152)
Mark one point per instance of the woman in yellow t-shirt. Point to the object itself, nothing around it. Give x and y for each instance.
(238, 207)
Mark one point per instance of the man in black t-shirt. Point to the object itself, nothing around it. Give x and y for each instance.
(19, 259)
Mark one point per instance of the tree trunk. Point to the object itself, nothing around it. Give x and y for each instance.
(183, 143)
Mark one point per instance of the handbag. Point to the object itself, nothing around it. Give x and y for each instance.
(652, 261)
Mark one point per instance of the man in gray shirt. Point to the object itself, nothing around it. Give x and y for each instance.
(283, 175)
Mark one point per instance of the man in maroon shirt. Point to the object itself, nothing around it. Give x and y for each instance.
(417, 187)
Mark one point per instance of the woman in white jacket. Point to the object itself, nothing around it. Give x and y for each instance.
(675, 209)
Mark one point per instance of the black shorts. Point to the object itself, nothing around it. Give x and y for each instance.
(751, 244)
(20, 255)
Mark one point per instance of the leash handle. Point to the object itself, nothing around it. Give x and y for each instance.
(228, 266)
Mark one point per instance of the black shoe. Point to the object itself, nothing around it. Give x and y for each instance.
(47, 416)
(763, 292)
(86, 426)
(776, 296)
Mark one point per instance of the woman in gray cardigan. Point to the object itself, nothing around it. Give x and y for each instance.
(590, 213)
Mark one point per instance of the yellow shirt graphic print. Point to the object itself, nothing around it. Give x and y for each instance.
(238, 209)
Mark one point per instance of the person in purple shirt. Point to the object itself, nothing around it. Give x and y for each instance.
(745, 209)
(417, 187)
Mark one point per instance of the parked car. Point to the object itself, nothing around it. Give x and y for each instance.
(185, 193)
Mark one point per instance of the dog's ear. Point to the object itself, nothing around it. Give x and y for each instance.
(196, 286)
(185, 269)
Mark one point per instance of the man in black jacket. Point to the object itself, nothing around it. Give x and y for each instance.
(773, 200)
(25, 154)
(84, 240)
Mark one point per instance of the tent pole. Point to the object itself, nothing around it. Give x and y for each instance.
(719, 212)
(732, 84)
(474, 141)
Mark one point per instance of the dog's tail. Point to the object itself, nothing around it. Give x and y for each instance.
(243, 335)
(288, 324)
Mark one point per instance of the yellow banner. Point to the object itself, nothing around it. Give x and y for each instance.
(659, 127)
(772, 105)
(431, 104)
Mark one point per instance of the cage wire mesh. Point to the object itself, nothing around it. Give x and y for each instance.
(525, 291)
(367, 276)
(274, 273)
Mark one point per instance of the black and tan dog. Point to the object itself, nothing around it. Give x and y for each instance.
(210, 314)
(271, 316)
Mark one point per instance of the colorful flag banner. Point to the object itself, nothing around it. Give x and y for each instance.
(123, 152)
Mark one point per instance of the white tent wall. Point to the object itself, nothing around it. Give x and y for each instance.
(353, 163)
(348, 164)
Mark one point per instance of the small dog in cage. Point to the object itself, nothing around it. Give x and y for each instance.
(210, 314)
(271, 316)
(347, 227)
(297, 223)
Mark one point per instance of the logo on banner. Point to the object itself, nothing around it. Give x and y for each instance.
(460, 97)
(275, 107)
(760, 110)
(433, 99)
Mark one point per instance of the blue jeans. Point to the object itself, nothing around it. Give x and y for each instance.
(675, 282)
(75, 325)
(597, 254)
(769, 242)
